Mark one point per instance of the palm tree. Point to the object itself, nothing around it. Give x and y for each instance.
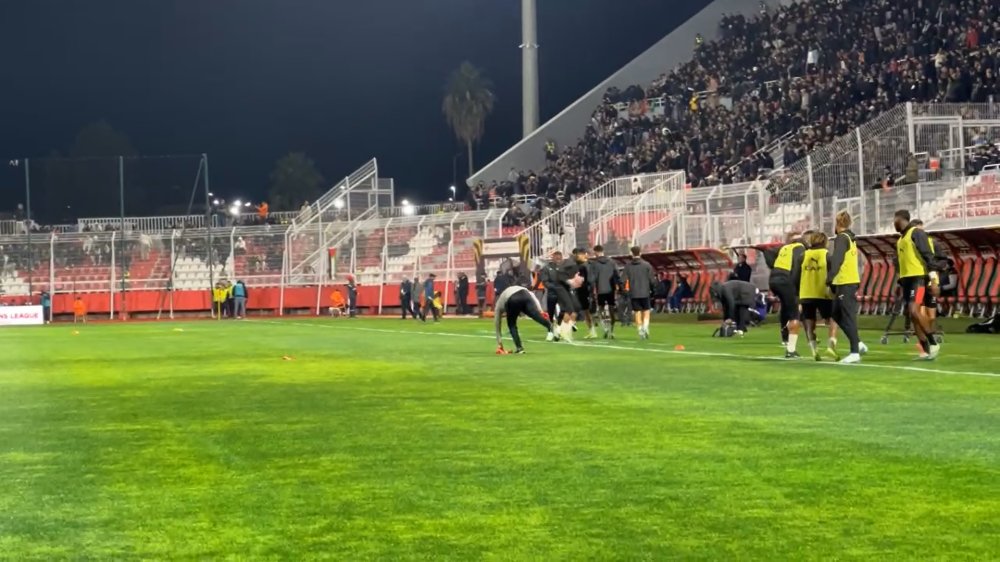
(468, 100)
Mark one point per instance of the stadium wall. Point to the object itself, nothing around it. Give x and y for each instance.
(569, 124)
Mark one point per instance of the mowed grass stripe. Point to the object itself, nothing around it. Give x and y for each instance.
(402, 446)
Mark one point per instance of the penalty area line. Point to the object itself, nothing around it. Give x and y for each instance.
(617, 347)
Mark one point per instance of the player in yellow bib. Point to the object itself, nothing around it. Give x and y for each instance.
(844, 279)
(786, 268)
(814, 295)
(917, 270)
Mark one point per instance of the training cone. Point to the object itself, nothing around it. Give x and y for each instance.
(287, 358)
(76, 333)
(178, 329)
(501, 351)
(678, 347)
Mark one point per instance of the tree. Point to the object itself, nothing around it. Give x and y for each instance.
(295, 180)
(468, 101)
(100, 139)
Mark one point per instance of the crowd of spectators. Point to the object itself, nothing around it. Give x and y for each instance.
(804, 73)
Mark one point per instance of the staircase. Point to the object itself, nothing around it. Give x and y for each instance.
(332, 218)
(603, 215)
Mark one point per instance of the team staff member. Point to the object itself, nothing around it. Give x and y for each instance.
(916, 272)
(547, 278)
(814, 295)
(786, 271)
(844, 279)
(605, 280)
(736, 298)
(512, 303)
(640, 279)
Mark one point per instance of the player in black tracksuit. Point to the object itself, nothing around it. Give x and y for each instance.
(737, 298)
(786, 268)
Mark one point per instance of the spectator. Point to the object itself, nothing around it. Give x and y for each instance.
(240, 297)
(742, 271)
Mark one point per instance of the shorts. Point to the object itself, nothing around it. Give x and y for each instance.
(813, 307)
(566, 299)
(915, 290)
(789, 299)
(583, 297)
(641, 305)
(606, 299)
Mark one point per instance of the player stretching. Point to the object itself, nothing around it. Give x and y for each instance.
(512, 303)
(605, 281)
(641, 279)
(916, 271)
(786, 270)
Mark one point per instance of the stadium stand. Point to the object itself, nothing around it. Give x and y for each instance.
(776, 86)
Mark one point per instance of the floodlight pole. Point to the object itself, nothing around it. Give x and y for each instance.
(529, 66)
(122, 312)
(27, 226)
(211, 243)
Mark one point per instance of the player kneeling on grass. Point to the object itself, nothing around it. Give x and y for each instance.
(512, 303)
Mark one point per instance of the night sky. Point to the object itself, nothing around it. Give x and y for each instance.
(247, 81)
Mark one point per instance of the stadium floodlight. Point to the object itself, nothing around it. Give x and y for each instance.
(237, 203)
(247, 204)
(234, 210)
(408, 209)
(338, 203)
(215, 202)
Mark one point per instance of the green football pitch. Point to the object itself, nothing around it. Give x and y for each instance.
(383, 439)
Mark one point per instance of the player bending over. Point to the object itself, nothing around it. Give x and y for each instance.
(512, 303)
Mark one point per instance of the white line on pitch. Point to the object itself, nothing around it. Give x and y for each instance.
(664, 351)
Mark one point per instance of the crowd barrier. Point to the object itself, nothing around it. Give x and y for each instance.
(974, 251)
(263, 301)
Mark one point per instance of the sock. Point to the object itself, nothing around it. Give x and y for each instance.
(924, 345)
(833, 343)
(645, 324)
(793, 339)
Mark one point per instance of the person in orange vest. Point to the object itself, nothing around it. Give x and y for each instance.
(263, 210)
(338, 305)
(79, 311)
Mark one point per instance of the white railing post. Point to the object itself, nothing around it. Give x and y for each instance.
(810, 197)
(52, 266)
(961, 144)
(911, 135)
(861, 176)
(111, 293)
(965, 203)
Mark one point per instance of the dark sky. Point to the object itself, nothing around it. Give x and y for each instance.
(247, 81)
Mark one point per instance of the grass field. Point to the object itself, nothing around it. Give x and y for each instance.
(387, 440)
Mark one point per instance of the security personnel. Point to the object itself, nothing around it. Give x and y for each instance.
(814, 295)
(786, 271)
(844, 278)
(916, 270)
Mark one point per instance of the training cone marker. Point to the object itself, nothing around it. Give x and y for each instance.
(287, 358)
(178, 329)
(678, 347)
(76, 333)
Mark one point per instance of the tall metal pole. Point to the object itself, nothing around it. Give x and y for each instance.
(211, 247)
(27, 226)
(529, 66)
(122, 311)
